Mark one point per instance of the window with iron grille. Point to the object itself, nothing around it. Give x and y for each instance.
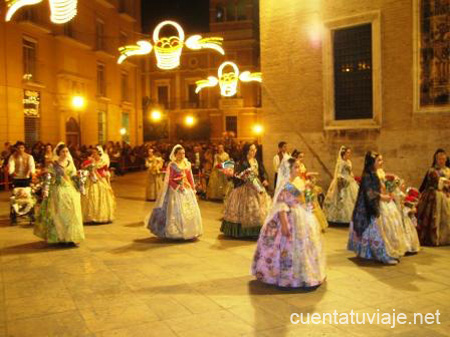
(99, 35)
(32, 130)
(352, 51)
(102, 123)
(124, 86)
(163, 96)
(101, 80)
(194, 98)
(231, 124)
(29, 58)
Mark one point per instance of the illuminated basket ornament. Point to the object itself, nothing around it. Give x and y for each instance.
(228, 81)
(168, 49)
(61, 11)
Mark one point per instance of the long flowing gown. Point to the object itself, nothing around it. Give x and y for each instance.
(218, 183)
(176, 214)
(317, 190)
(154, 177)
(341, 196)
(297, 260)
(98, 203)
(433, 210)
(60, 218)
(376, 229)
(248, 203)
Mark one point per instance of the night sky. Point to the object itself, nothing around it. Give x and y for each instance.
(193, 15)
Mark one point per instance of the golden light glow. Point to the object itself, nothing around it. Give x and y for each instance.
(228, 81)
(210, 82)
(78, 102)
(123, 131)
(156, 115)
(189, 120)
(168, 49)
(15, 5)
(61, 11)
(258, 129)
(141, 47)
(196, 42)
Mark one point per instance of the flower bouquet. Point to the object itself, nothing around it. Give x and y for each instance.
(227, 168)
(392, 183)
(80, 180)
(250, 176)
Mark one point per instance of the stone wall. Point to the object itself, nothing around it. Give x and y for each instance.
(293, 89)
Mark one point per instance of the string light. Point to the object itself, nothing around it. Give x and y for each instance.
(228, 81)
(168, 49)
(61, 11)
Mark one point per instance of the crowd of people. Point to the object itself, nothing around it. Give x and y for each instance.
(386, 219)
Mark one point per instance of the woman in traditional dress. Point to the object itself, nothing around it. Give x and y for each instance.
(60, 219)
(376, 227)
(290, 250)
(218, 182)
(315, 190)
(248, 203)
(48, 155)
(433, 210)
(176, 214)
(341, 196)
(154, 164)
(98, 203)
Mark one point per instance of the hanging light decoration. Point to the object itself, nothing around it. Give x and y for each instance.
(168, 50)
(61, 11)
(228, 81)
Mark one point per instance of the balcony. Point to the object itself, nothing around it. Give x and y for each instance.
(105, 3)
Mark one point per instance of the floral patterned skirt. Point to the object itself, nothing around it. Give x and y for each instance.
(217, 186)
(294, 261)
(340, 201)
(245, 212)
(384, 239)
(99, 202)
(178, 218)
(60, 218)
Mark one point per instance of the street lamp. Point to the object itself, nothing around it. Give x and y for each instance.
(78, 102)
(123, 131)
(156, 115)
(189, 121)
(258, 129)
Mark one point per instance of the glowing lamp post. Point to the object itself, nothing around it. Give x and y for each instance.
(189, 121)
(78, 102)
(123, 131)
(156, 116)
(258, 129)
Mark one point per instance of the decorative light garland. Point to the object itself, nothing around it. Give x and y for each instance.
(61, 11)
(168, 49)
(228, 81)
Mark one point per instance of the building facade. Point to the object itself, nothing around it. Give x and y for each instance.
(173, 92)
(62, 82)
(367, 74)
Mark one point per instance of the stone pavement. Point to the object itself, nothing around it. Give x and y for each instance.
(122, 281)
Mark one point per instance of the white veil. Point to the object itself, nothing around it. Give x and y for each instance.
(339, 161)
(103, 155)
(162, 196)
(56, 156)
(283, 174)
